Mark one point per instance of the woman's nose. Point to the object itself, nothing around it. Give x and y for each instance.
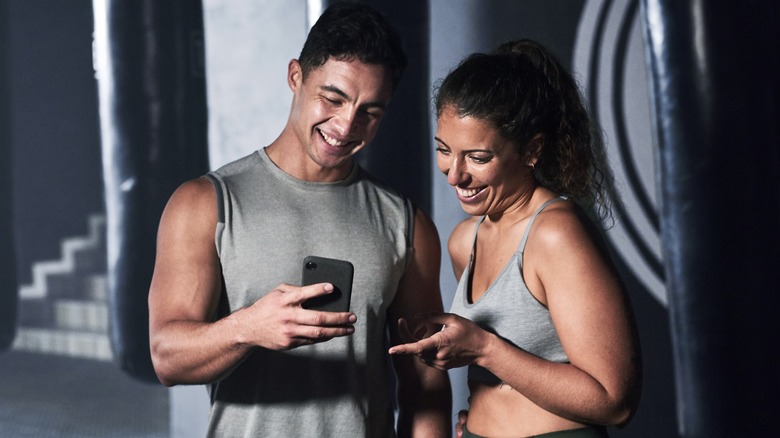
(455, 173)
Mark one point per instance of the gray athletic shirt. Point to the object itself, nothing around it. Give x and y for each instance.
(268, 222)
(508, 309)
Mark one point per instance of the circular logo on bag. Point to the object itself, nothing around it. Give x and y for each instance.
(610, 67)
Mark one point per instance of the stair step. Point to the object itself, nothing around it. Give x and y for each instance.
(77, 286)
(96, 287)
(92, 258)
(94, 346)
(65, 311)
(35, 312)
(79, 257)
(81, 315)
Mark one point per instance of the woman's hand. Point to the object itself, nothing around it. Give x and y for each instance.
(443, 340)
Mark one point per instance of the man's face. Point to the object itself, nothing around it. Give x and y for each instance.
(336, 111)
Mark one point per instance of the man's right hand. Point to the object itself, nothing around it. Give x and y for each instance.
(278, 321)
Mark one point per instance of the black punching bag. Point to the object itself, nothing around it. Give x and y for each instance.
(8, 285)
(715, 72)
(150, 69)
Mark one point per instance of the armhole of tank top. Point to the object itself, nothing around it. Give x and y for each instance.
(220, 196)
(223, 307)
(409, 223)
(218, 189)
(409, 208)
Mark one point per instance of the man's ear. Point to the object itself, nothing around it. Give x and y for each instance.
(294, 74)
(534, 149)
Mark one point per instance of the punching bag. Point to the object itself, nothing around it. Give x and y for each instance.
(149, 59)
(8, 284)
(714, 74)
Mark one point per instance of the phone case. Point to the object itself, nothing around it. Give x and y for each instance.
(325, 270)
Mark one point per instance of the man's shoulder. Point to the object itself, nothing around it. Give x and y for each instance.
(238, 166)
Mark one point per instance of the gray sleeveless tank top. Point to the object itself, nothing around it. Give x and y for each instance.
(508, 309)
(268, 222)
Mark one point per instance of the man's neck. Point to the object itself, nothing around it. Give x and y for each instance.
(294, 161)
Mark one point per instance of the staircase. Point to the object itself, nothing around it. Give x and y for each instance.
(64, 311)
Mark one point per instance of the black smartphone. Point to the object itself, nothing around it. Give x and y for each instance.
(339, 273)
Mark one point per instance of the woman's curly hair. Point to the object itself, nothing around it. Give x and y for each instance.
(524, 91)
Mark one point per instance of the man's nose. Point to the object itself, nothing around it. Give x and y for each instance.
(347, 121)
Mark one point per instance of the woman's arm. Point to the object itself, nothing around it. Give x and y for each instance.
(572, 275)
(568, 271)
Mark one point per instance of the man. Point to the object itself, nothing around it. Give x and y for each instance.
(226, 310)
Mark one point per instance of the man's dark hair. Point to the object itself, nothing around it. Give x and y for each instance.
(353, 31)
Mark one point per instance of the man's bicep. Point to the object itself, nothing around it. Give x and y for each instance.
(187, 279)
(418, 290)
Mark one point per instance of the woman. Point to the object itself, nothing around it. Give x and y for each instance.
(539, 316)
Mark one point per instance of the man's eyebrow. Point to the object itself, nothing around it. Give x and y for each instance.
(336, 90)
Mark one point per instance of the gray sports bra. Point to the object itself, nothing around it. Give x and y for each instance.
(508, 309)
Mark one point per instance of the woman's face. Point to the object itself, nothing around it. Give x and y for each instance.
(488, 173)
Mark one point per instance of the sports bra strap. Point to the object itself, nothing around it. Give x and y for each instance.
(521, 247)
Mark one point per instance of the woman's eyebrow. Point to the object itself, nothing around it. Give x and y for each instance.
(486, 151)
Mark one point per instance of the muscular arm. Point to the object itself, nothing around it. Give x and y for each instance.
(424, 394)
(567, 271)
(188, 345)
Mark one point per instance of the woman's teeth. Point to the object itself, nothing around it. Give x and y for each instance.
(467, 193)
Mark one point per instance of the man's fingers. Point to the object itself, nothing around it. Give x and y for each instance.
(311, 320)
(303, 293)
(322, 334)
(299, 294)
(316, 319)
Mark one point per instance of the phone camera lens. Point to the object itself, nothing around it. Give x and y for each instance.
(311, 266)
